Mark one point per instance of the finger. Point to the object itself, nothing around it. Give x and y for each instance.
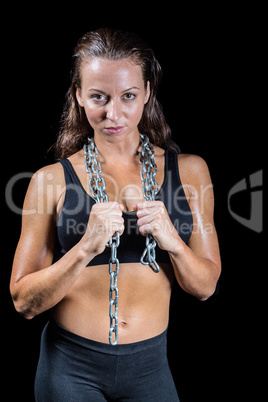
(147, 211)
(145, 229)
(121, 229)
(157, 207)
(145, 219)
(118, 227)
(148, 204)
(135, 207)
(150, 228)
(121, 206)
(149, 207)
(112, 208)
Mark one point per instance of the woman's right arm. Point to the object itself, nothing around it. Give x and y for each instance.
(36, 284)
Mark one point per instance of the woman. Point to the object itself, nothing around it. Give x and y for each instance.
(106, 339)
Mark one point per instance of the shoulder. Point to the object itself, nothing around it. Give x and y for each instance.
(192, 164)
(159, 152)
(46, 185)
(193, 170)
(51, 173)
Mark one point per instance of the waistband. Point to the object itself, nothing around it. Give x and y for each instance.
(119, 349)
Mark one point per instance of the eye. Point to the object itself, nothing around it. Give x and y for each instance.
(129, 96)
(98, 97)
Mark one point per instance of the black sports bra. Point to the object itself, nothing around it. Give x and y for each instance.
(73, 219)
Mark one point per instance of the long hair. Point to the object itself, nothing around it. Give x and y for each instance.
(113, 45)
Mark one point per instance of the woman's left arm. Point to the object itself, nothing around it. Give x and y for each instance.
(197, 265)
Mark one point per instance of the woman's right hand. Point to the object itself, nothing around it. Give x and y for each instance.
(105, 219)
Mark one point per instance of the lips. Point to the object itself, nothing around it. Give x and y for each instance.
(114, 130)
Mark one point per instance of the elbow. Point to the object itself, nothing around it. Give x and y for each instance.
(23, 310)
(206, 294)
(204, 297)
(210, 289)
(21, 306)
(202, 294)
(26, 313)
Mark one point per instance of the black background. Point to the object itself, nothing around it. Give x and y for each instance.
(211, 60)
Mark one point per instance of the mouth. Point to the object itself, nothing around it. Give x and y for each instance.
(114, 130)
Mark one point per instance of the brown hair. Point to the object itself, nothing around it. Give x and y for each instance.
(114, 45)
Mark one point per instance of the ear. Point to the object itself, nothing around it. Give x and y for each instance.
(147, 93)
(78, 97)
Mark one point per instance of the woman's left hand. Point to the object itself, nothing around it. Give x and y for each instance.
(153, 218)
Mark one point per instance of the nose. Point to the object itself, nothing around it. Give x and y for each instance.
(114, 110)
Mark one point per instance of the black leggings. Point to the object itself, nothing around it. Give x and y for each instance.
(72, 368)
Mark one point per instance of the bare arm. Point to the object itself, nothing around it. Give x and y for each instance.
(36, 284)
(197, 265)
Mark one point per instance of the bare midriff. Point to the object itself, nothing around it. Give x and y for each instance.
(143, 304)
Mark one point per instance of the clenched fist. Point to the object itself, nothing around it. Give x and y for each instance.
(153, 218)
(105, 219)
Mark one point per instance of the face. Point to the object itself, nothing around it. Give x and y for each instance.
(113, 95)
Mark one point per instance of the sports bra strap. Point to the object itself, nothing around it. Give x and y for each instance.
(69, 172)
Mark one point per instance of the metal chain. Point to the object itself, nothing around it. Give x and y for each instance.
(150, 189)
(97, 184)
(98, 190)
(113, 311)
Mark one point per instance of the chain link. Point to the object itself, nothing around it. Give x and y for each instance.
(98, 190)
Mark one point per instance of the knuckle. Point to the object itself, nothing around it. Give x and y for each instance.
(162, 209)
(158, 217)
(141, 229)
(156, 227)
(95, 208)
(100, 218)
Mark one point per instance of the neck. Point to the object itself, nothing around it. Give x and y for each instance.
(117, 147)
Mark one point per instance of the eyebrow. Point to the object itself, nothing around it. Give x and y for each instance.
(104, 93)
